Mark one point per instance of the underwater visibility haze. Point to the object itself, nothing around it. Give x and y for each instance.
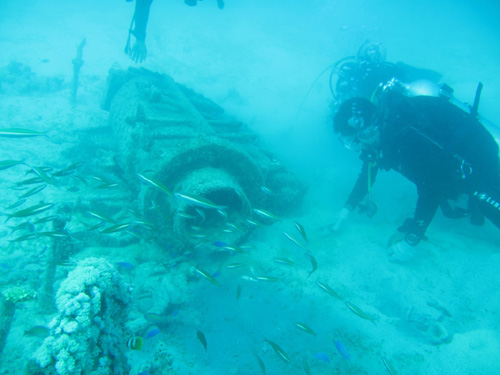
(177, 216)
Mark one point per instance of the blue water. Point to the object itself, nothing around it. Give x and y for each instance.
(262, 62)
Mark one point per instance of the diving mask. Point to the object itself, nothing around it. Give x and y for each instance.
(359, 136)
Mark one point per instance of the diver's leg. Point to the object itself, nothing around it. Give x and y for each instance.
(488, 205)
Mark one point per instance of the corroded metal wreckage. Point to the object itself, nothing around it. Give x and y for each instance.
(175, 139)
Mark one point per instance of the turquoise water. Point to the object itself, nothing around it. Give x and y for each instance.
(261, 63)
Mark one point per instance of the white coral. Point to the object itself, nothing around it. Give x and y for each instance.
(84, 334)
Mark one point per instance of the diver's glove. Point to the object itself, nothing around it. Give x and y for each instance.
(341, 218)
(414, 231)
(401, 246)
(335, 226)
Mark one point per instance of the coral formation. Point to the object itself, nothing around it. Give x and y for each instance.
(19, 294)
(88, 335)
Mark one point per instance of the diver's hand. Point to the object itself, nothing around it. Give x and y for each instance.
(138, 52)
(337, 225)
(342, 217)
(401, 252)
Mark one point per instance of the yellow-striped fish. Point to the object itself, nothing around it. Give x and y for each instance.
(356, 310)
(101, 217)
(329, 290)
(20, 133)
(194, 200)
(207, 276)
(314, 263)
(296, 242)
(281, 353)
(44, 176)
(33, 210)
(285, 261)
(4, 164)
(155, 183)
(261, 364)
(268, 279)
(390, 369)
(116, 228)
(305, 328)
(266, 214)
(301, 230)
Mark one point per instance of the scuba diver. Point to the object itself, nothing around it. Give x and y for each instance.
(445, 151)
(138, 51)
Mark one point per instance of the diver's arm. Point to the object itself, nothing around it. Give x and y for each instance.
(139, 51)
(361, 187)
(357, 194)
(141, 18)
(427, 205)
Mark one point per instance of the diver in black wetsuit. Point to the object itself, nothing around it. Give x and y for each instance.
(444, 150)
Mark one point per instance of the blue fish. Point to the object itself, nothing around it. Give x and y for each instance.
(152, 333)
(126, 265)
(219, 243)
(322, 356)
(342, 349)
(216, 274)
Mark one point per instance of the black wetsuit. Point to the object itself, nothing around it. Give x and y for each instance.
(443, 150)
